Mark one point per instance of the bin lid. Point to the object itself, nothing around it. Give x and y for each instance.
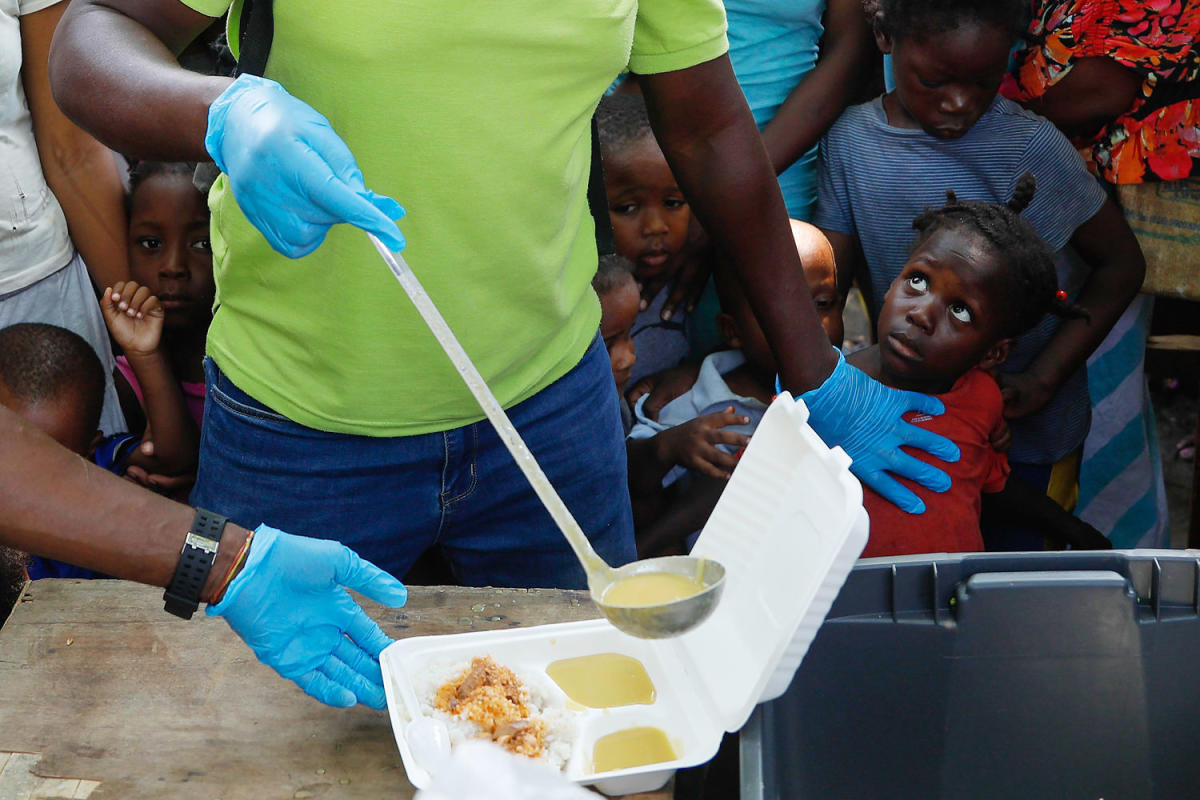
(787, 531)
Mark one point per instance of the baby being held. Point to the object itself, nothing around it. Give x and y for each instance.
(698, 436)
(978, 277)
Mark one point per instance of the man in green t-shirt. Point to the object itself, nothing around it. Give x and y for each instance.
(330, 405)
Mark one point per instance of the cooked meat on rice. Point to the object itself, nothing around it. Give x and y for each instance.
(492, 697)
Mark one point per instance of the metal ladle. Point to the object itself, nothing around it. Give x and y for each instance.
(648, 622)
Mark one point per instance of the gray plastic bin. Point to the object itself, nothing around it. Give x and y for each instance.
(1030, 675)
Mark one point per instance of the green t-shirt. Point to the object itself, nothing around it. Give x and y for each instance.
(476, 119)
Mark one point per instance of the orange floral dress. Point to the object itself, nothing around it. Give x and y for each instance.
(1158, 138)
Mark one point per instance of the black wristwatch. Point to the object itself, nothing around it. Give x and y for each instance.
(195, 562)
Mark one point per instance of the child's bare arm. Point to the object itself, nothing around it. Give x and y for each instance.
(663, 387)
(1020, 503)
(846, 251)
(1118, 268)
(689, 512)
(692, 444)
(835, 81)
(135, 320)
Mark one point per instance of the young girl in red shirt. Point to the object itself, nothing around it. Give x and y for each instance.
(978, 277)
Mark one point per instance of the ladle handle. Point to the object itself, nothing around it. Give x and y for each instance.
(592, 563)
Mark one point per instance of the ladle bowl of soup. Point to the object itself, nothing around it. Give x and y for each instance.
(662, 597)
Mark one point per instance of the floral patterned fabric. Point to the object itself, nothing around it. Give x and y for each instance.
(1158, 138)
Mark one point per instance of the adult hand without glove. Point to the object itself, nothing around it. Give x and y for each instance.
(864, 417)
(293, 177)
(289, 603)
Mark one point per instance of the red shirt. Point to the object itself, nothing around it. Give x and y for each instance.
(950, 523)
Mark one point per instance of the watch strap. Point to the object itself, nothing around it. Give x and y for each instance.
(196, 558)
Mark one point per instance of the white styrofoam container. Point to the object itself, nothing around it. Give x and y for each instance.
(788, 529)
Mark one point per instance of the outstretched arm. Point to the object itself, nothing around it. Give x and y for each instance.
(1020, 503)
(287, 602)
(56, 504)
(79, 170)
(713, 146)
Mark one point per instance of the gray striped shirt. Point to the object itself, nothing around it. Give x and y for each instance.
(874, 179)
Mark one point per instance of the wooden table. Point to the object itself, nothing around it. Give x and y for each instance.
(103, 695)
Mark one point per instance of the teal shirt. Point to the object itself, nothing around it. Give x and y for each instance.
(773, 44)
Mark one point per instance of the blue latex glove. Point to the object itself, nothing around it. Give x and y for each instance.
(864, 417)
(293, 177)
(289, 603)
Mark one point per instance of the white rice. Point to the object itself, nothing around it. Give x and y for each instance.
(546, 702)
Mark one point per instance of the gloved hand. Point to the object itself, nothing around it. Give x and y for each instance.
(864, 417)
(293, 177)
(289, 603)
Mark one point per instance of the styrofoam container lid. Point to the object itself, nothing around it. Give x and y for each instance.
(788, 529)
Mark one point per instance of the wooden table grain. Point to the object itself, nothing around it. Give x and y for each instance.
(103, 695)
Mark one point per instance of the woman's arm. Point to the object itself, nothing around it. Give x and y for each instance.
(80, 171)
(124, 51)
(1118, 268)
(823, 93)
(708, 135)
(1094, 93)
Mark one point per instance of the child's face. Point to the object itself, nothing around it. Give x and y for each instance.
(945, 81)
(649, 214)
(618, 311)
(820, 271)
(169, 248)
(939, 318)
(63, 419)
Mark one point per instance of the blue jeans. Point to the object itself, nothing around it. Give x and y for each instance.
(391, 499)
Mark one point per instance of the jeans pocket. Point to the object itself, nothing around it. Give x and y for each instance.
(224, 393)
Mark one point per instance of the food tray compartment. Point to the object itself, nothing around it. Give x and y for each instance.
(528, 652)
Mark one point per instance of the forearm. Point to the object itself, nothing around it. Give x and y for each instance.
(54, 503)
(826, 90)
(1019, 503)
(1118, 269)
(176, 439)
(648, 464)
(88, 187)
(712, 144)
(80, 171)
(1024, 505)
(1105, 296)
(123, 51)
(688, 513)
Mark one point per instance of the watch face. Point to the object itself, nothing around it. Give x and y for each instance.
(201, 543)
